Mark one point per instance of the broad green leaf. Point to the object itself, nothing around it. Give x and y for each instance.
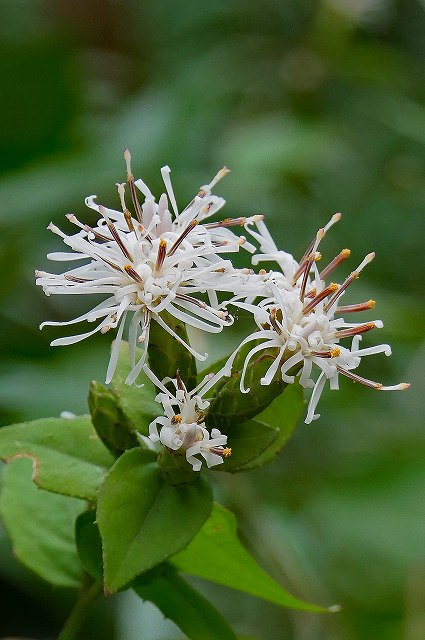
(109, 420)
(89, 543)
(137, 403)
(167, 355)
(217, 555)
(143, 520)
(248, 442)
(257, 442)
(40, 525)
(67, 455)
(283, 414)
(182, 604)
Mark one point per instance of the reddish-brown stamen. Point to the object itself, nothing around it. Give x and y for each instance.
(273, 320)
(333, 353)
(118, 240)
(227, 222)
(198, 303)
(97, 235)
(322, 231)
(180, 239)
(356, 378)
(361, 306)
(74, 220)
(162, 252)
(129, 220)
(130, 180)
(132, 273)
(354, 331)
(402, 386)
(311, 258)
(303, 265)
(320, 296)
(353, 276)
(180, 384)
(343, 255)
(224, 453)
(111, 264)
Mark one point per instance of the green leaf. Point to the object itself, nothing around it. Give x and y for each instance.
(257, 442)
(67, 455)
(217, 555)
(167, 355)
(248, 442)
(182, 604)
(40, 525)
(109, 420)
(283, 414)
(143, 520)
(89, 543)
(137, 403)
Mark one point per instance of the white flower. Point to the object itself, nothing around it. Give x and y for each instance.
(148, 263)
(301, 319)
(182, 427)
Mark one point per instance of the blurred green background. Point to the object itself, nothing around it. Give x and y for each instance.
(316, 107)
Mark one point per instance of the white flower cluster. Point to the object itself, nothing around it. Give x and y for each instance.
(182, 427)
(162, 259)
(300, 317)
(150, 263)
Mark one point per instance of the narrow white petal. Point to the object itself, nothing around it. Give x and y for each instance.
(115, 352)
(165, 172)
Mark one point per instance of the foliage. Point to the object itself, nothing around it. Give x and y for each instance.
(315, 107)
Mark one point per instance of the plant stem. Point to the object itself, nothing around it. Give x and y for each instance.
(88, 594)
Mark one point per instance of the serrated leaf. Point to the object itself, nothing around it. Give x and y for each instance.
(89, 543)
(40, 525)
(182, 604)
(143, 520)
(67, 455)
(137, 403)
(217, 555)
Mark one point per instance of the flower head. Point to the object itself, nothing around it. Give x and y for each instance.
(182, 427)
(301, 323)
(158, 259)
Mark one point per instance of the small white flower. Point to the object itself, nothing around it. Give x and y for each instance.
(182, 427)
(210, 448)
(147, 263)
(301, 320)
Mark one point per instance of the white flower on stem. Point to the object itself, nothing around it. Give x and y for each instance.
(300, 320)
(147, 263)
(182, 427)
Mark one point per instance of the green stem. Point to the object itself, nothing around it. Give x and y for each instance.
(90, 591)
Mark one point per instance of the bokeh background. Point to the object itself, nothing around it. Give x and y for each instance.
(316, 107)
